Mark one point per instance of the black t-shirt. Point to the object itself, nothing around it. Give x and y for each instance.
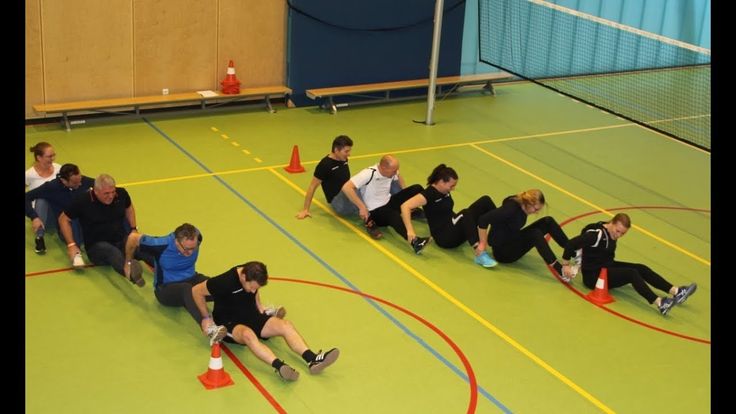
(438, 209)
(333, 174)
(100, 222)
(232, 302)
(506, 222)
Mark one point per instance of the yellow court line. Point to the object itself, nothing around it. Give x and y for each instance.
(453, 300)
(584, 201)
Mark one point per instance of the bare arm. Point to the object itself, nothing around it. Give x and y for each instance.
(199, 294)
(406, 208)
(308, 198)
(349, 189)
(402, 183)
(130, 215)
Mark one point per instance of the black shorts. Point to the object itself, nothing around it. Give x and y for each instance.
(255, 322)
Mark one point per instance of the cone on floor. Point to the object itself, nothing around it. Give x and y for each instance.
(600, 295)
(215, 377)
(231, 84)
(295, 166)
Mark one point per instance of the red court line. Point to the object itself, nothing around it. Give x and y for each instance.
(613, 312)
(472, 404)
(252, 379)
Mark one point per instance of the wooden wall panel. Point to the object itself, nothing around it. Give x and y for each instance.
(34, 60)
(87, 49)
(253, 34)
(175, 45)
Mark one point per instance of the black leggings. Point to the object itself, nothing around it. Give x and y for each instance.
(622, 273)
(389, 214)
(532, 236)
(466, 228)
(180, 294)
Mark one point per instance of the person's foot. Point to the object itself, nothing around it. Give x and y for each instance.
(40, 245)
(665, 305)
(684, 292)
(372, 229)
(323, 360)
(77, 261)
(288, 373)
(216, 333)
(136, 274)
(419, 243)
(277, 311)
(484, 259)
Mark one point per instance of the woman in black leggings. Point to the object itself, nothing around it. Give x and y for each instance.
(510, 240)
(598, 242)
(448, 229)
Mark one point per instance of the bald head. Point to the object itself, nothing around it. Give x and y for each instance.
(388, 166)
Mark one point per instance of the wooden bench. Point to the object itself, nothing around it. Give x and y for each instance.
(327, 94)
(118, 105)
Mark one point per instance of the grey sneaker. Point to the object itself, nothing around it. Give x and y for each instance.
(216, 333)
(77, 261)
(665, 305)
(288, 373)
(136, 274)
(684, 292)
(323, 360)
(372, 229)
(419, 243)
(277, 311)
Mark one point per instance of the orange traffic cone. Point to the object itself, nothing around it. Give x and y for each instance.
(231, 84)
(295, 166)
(215, 377)
(600, 295)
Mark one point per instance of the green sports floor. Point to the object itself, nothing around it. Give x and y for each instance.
(430, 333)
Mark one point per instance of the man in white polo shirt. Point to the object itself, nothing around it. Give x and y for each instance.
(370, 191)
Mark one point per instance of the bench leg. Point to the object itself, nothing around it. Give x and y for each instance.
(333, 107)
(268, 105)
(66, 122)
(489, 87)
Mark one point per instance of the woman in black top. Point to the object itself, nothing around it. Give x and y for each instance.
(448, 229)
(510, 240)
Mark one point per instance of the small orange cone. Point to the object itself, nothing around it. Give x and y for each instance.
(295, 166)
(215, 377)
(600, 295)
(231, 84)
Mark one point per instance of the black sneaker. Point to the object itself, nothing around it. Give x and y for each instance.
(419, 243)
(372, 229)
(684, 292)
(323, 360)
(665, 305)
(40, 245)
(288, 373)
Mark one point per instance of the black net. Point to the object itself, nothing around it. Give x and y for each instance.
(655, 81)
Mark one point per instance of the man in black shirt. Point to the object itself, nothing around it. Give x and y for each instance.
(238, 307)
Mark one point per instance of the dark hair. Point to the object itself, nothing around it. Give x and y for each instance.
(340, 142)
(67, 170)
(256, 271)
(39, 149)
(441, 172)
(622, 218)
(187, 232)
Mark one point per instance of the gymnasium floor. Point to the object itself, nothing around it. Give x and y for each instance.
(433, 333)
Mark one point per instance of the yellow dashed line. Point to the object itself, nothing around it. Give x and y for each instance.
(213, 129)
(235, 143)
(257, 159)
(246, 151)
(224, 136)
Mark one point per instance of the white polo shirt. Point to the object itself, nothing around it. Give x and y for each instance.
(376, 191)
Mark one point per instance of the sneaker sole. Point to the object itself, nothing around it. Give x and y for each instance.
(281, 313)
(288, 373)
(329, 360)
(136, 274)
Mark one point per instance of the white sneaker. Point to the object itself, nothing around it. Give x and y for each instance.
(77, 261)
(216, 333)
(277, 311)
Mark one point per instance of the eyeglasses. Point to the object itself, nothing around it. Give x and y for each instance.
(186, 249)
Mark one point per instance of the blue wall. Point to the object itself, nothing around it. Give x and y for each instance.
(346, 42)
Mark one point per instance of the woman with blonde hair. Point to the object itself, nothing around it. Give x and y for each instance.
(510, 240)
(43, 169)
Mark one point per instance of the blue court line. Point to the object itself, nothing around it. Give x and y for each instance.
(337, 274)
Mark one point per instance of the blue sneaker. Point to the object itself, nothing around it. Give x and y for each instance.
(684, 292)
(665, 305)
(484, 259)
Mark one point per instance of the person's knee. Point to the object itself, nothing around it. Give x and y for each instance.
(245, 335)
